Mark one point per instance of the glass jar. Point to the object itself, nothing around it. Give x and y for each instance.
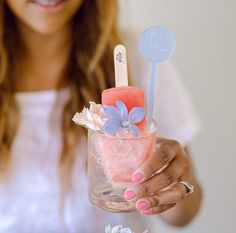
(111, 162)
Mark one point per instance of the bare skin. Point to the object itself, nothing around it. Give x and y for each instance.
(41, 66)
(44, 60)
(46, 40)
(174, 164)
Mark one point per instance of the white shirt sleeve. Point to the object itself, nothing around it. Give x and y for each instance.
(173, 109)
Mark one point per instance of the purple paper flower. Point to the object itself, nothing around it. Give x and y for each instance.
(120, 118)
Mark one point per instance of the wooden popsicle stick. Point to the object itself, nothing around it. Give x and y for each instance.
(120, 62)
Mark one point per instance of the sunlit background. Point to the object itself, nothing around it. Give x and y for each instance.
(206, 58)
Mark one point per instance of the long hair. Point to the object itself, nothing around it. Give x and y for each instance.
(90, 70)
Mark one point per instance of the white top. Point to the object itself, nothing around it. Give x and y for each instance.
(29, 200)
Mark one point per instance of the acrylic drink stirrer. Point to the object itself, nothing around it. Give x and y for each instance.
(156, 45)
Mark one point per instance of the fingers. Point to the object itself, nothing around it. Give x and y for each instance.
(162, 201)
(157, 188)
(169, 175)
(173, 195)
(156, 210)
(165, 153)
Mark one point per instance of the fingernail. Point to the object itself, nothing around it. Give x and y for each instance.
(146, 212)
(137, 177)
(142, 205)
(129, 195)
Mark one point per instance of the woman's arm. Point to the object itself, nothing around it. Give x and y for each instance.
(161, 185)
(183, 212)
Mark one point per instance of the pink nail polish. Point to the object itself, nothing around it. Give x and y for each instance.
(142, 205)
(146, 212)
(137, 177)
(129, 195)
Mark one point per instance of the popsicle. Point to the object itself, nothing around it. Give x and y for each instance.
(131, 96)
(121, 156)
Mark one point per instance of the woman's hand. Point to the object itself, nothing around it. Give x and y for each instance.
(158, 186)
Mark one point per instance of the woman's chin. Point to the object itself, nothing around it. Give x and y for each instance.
(44, 16)
(46, 28)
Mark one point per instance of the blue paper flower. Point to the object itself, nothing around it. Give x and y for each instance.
(120, 118)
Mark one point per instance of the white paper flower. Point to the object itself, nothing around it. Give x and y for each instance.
(92, 118)
(119, 229)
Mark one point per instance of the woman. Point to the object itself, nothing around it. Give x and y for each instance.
(55, 56)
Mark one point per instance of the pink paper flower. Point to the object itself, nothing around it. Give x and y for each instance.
(92, 118)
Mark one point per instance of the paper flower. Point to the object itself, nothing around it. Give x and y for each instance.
(119, 229)
(92, 118)
(120, 118)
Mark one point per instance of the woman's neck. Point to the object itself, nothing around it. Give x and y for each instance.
(43, 59)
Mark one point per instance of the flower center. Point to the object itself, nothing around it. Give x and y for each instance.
(125, 123)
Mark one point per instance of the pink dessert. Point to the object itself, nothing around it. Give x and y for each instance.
(121, 142)
(121, 157)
